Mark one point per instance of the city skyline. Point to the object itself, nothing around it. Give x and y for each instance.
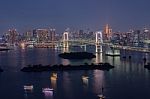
(75, 14)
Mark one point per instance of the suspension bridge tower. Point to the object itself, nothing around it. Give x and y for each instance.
(99, 41)
(66, 41)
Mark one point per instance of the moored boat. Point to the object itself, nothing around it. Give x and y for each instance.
(28, 87)
(46, 90)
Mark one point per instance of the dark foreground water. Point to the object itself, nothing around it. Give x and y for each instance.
(128, 80)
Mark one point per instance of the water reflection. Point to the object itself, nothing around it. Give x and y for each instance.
(98, 49)
(22, 45)
(65, 47)
(53, 79)
(71, 84)
(28, 93)
(99, 57)
(67, 87)
(85, 79)
(113, 60)
(98, 81)
(48, 93)
(146, 56)
(22, 57)
(53, 56)
(65, 62)
(8, 60)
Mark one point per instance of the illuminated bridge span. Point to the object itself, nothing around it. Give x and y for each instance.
(129, 48)
(83, 43)
(98, 39)
(80, 42)
(98, 42)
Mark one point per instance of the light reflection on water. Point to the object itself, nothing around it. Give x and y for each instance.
(99, 58)
(48, 95)
(65, 62)
(98, 81)
(127, 74)
(53, 79)
(66, 82)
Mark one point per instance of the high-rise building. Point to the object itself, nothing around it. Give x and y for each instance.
(28, 35)
(52, 35)
(146, 34)
(116, 38)
(81, 33)
(41, 35)
(12, 36)
(107, 33)
(137, 38)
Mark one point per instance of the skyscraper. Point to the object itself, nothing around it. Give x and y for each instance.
(41, 35)
(146, 34)
(28, 35)
(107, 33)
(12, 36)
(52, 35)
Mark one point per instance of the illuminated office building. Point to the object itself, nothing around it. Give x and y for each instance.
(52, 35)
(28, 35)
(41, 35)
(107, 33)
(146, 34)
(12, 36)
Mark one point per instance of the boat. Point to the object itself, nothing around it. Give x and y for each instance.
(85, 80)
(54, 76)
(77, 55)
(46, 90)
(85, 77)
(28, 87)
(101, 96)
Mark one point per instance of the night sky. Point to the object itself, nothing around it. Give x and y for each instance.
(122, 15)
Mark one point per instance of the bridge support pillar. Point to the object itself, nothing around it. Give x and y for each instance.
(83, 46)
(98, 48)
(99, 37)
(99, 57)
(66, 39)
(99, 40)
